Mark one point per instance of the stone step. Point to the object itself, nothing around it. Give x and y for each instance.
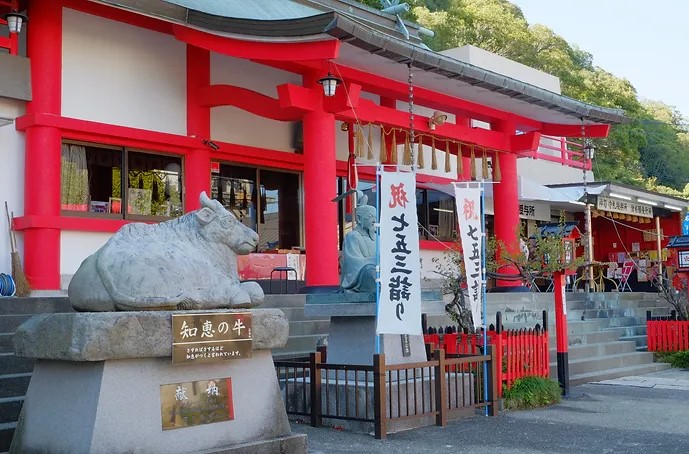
(6, 433)
(14, 385)
(283, 301)
(641, 341)
(594, 337)
(296, 314)
(10, 407)
(9, 323)
(632, 330)
(6, 345)
(35, 305)
(320, 327)
(607, 374)
(593, 350)
(601, 363)
(10, 364)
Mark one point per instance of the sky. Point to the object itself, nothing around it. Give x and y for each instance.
(645, 42)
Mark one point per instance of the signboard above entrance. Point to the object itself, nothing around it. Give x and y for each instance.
(623, 206)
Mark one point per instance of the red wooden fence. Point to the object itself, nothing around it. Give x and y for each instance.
(667, 335)
(520, 352)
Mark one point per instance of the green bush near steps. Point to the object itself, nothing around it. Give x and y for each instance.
(676, 359)
(532, 392)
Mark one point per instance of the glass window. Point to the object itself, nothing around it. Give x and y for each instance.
(266, 201)
(442, 221)
(92, 182)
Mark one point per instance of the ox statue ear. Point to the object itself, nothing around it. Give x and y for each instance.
(205, 215)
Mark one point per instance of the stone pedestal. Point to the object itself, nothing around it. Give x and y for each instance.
(96, 388)
(352, 338)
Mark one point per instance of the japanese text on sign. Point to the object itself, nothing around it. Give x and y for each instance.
(211, 337)
(399, 309)
(623, 206)
(198, 402)
(468, 201)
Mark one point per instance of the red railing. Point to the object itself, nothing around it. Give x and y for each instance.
(559, 149)
(11, 43)
(521, 352)
(667, 335)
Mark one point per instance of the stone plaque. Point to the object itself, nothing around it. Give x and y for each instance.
(211, 337)
(196, 402)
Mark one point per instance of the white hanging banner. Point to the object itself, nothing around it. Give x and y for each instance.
(399, 304)
(468, 202)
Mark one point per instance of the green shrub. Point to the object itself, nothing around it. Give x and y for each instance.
(676, 359)
(532, 392)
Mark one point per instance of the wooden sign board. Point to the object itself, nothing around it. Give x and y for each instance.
(210, 337)
(197, 402)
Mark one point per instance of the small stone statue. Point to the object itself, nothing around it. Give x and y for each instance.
(185, 263)
(359, 250)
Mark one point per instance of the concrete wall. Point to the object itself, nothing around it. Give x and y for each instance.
(74, 248)
(11, 178)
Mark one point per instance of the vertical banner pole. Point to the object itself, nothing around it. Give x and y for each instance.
(379, 169)
(561, 332)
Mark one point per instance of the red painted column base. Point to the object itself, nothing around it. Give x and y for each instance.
(42, 258)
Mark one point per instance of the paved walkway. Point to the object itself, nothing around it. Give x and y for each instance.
(646, 414)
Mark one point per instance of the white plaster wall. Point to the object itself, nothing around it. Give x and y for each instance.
(120, 74)
(11, 179)
(501, 65)
(75, 247)
(545, 172)
(230, 124)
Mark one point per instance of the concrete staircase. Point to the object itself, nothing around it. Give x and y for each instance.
(15, 372)
(606, 331)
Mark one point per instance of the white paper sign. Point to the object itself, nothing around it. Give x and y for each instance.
(399, 305)
(468, 202)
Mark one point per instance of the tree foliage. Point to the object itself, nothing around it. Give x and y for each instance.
(650, 152)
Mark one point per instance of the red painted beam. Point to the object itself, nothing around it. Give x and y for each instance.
(112, 134)
(525, 142)
(369, 112)
(248, 100)
(78, 223)
(552, 129)
(298, 98)
(260, 50)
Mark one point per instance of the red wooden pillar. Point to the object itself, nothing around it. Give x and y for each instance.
(43, 156)
(562, 343)
(320, 187)
(197, 163)
(506, 205)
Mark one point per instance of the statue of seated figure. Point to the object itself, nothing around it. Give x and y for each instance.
(359, 251)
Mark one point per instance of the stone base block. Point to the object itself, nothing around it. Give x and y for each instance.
(114, 406)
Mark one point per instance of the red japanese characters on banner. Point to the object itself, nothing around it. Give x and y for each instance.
(468, 202)
(399, 308)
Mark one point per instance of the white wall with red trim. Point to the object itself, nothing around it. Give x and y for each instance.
(11, 179)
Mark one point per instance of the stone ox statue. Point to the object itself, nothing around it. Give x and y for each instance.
(185, 263)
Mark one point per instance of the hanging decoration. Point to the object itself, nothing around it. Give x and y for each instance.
(447, 157)
(393, 148)
(496, 167)
(460, 163)
(434, 158)
(406, 157)
(419, 149)
(369, 145)
(383, 153)
(360, 142)
(472, 163)
(484, 166)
